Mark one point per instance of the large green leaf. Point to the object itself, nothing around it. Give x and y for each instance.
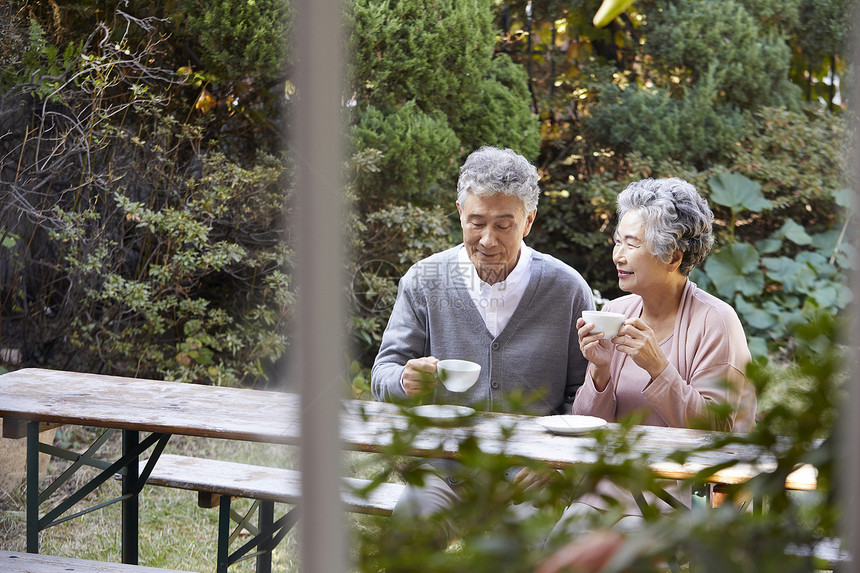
(818, 263)
(845, 198)
(830, 243)
(795, 233)
(832, 295)
(758, 347)
(735, 269)
(755, 316)
(793, 275)
(769, 245)
(737, 192)
(847, 256)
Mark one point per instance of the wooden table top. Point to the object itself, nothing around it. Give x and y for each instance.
(149, 405)
(255, 415)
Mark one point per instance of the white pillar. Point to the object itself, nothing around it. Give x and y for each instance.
(319, 340)
(848, 477)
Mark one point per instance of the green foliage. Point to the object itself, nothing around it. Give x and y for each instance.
(693, 110)
(414, 144)
(696, 90)
(38, 59)
(169, 258)
(774, 282)
(501, 116)
(748, 63)
(824, 31)
(694, 129)
(427, 91)
(737, 193)
(798, 157)
(240, 39)
(574, 222)
(385, 243)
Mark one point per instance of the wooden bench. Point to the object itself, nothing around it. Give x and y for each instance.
(218, 482)
(14, 562)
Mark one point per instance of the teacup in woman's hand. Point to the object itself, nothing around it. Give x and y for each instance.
(457, 375)
(606, 322)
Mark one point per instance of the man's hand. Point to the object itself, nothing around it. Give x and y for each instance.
(419, 376)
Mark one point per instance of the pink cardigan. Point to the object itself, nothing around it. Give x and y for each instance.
(708, 349)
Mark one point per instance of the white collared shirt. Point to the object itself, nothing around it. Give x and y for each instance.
(497, 302)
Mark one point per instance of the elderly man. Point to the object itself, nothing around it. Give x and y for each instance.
(491, 300)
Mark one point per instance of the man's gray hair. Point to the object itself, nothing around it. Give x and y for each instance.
(491, 170)
(675, 217)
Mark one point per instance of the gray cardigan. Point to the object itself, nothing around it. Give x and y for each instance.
(533, 366)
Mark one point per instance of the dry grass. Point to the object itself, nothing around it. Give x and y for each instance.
(174, 532)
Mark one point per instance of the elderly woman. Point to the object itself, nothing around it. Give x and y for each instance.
(680, 350)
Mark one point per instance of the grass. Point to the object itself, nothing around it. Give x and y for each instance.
(174, 532)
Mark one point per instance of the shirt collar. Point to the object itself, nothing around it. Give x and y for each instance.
(474, 282)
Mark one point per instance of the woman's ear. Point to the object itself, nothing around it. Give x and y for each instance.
(677, 257)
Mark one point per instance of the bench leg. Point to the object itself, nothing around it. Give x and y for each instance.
(266, 522)
(33, 487)
(223, 534)
(130, 507)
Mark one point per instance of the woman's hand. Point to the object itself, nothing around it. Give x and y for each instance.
(419, 376)
(637, 340)
(596, 350)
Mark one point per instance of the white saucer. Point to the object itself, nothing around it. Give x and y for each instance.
(570, 424)
(443, 414)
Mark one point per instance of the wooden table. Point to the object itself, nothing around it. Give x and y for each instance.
(32, 396)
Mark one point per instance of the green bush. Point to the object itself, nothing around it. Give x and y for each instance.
(241, 39)
(747, 62)
(129, 247)
(385, 243)
(800, 159)
(695, 129)
(414, 144)
(427, 91)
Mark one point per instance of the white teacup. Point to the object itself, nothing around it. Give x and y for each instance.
(606, 322)
(457, 375)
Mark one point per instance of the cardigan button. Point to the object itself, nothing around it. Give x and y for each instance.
(495, 385)
(496, 345)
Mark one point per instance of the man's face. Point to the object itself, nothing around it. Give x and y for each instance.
(493, 230)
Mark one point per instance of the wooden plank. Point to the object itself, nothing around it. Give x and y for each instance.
(149, 405)
(804, 478)
(14, 562)
(216, 477)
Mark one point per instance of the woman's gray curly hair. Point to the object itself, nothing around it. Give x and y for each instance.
(675, 217)
(491, 170)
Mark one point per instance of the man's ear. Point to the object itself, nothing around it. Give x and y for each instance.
(530, 219)
(459, 209)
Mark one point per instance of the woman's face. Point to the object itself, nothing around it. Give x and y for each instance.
(639, 271)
